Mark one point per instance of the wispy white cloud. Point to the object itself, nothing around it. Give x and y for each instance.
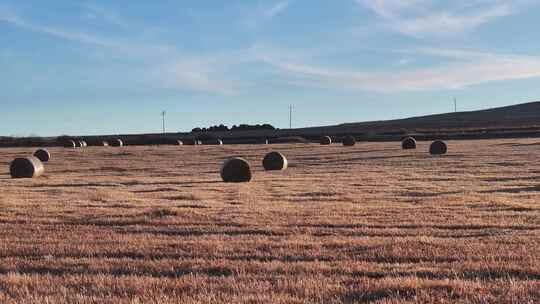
(389, 8)
(101, 13)
(164, 66)
(449, 23)
(8, 16)
(468, 68)
(167, 67)
(254, 17)
(424, 17)
(276, 9)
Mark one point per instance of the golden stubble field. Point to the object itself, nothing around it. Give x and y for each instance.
(369, 223)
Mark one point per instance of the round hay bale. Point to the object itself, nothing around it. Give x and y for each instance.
(43, 155)
(218, 142)
(117, 142)
(179, 143)
(408, 143)
(104, 143)
(79, 144)
(236, 170)
(438, 147)
(326, 140)
(349, 141)
(26, 167)
(274, 161)
(70, 144)
(85, 144)
(198, 142)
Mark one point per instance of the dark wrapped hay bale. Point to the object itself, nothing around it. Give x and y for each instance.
(117, 143)
(326, 140)
(349, 141)
(408, 143)
(43, 155)
(438, 147)
(217, 142)
(274, 161)
(69, 144)
(236, 170)
(26, 167)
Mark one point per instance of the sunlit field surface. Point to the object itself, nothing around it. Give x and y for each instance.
(362, 224)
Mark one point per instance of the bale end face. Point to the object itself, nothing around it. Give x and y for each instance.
(408, 143)
(26, 167)
(275, 161)
(326, 140)
(117, 143)
(43, 155)
(349, 141)
(236, 170)
(70, 144)
(438, 147)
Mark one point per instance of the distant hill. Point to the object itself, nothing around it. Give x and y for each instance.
(522, 120)
(516, 116)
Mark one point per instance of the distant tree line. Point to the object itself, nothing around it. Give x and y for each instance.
(241, 127)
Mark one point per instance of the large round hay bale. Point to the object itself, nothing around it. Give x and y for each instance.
(216, 141)
(408, 143)
(438, 147)
(79, 144)
(198, 142)
(26, 167)
(178, 143)
(116, 142)
(189, 142)
(43, 155)
(70, 144)
(274, 161)
(104, 143)
(85, 144)
(326, 140)
(349, 141)
(236, 170)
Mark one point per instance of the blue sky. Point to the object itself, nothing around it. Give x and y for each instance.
(101, 67)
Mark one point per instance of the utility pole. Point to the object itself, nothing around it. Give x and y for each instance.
(163, 119)
(455, 105)
(290, 116)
